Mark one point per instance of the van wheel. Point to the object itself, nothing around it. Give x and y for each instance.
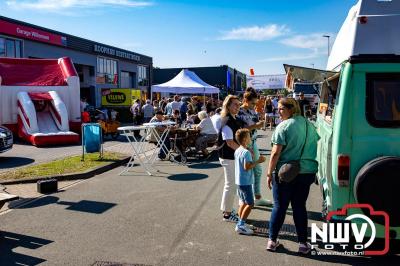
(377, 184)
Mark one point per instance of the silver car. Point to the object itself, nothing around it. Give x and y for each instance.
(6, 139)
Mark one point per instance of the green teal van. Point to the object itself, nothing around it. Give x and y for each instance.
(358, 121)
(358, 117)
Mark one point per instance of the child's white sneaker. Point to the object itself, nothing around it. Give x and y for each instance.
(244, 230)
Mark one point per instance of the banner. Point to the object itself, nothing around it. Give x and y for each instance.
(31, 33)
(119, 97)
(264, 82)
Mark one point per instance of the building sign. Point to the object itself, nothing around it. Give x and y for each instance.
(119, 97)
(31, 33)
(263, 82)
(114, 52)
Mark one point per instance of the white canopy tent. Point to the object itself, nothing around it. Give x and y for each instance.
(185, 82)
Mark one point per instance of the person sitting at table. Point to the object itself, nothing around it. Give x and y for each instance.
(176, 117)
(190, 116)
(159, 117)
(208, 134)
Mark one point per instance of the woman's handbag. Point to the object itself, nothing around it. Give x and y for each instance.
(288, 171)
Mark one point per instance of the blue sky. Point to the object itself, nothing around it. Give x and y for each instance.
(259, 34)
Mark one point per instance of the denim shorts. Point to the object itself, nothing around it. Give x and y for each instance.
(246, 194)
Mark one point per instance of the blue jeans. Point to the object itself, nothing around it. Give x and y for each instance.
(295, 193)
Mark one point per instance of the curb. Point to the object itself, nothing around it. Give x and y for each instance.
(83, 175)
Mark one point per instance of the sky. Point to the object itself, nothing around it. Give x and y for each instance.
(258, 34)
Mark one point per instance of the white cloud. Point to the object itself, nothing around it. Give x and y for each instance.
(308, 41)
(315, 43)
(255, 33)
(60, 5)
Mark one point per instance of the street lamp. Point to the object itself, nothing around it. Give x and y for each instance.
(327, 36)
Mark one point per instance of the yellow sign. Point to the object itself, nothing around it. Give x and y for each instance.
(119, 97)
(135, 95)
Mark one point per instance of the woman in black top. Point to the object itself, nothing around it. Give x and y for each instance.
(230, 124)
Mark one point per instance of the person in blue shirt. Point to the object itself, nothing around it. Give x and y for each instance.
(244, 179)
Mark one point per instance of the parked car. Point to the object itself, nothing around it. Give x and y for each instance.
(310, 90)
(6, 139)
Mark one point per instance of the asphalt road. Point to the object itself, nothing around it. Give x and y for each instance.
(172, 218)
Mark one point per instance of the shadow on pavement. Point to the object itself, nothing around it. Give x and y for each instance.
(204, 165)
(10, 241)
(95, 207)
(12, 162)
(16, 204)
(314, 216)
(266, 152)
(187, 177)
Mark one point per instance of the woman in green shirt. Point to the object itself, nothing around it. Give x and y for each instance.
(289, 138)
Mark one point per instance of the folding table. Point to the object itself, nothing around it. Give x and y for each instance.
(160, 138)
(138, 146)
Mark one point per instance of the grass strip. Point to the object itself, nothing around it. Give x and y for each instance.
(67, 165)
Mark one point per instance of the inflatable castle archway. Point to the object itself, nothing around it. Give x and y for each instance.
(40, 100)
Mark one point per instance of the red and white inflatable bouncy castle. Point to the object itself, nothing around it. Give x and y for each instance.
(40, 100)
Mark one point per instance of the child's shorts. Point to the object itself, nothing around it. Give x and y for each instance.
(246, 194)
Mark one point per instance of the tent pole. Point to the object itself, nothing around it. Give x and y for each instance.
(204, 97)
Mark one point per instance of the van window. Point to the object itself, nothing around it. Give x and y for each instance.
(383, 100)
(329, 98)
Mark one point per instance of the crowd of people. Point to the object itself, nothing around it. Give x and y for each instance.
(234, 124)
(185, 112)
